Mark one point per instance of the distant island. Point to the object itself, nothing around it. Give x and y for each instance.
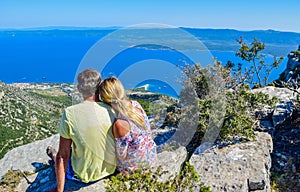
(278, 42)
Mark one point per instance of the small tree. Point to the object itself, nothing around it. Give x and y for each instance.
(257, 66)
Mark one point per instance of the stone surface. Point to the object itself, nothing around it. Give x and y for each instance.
(32, 157)
(28, 157)
(270, 118)
(45, 180)
(283, 94)
(286, 154)
(171, 161)
(283, 111)
(293, 62)
(238, 167)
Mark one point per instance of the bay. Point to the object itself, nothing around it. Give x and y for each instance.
(55, 56)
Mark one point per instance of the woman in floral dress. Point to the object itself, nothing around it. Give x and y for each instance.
(135, 147)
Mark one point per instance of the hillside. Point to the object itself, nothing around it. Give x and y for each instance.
(27, 116)
(278, 42)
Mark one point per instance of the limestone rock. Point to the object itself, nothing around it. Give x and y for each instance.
(283, 110)
(283, 94)
(171, 161)
(32, 157)
(45, 180)
(293, 62)
(238, 167)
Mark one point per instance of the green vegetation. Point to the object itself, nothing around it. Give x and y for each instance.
(287, 181)
(57, 100)
(148, 180)
(234, 99)
(239, 111)
(11, 180)
(239, 121)
(146, 105)
(26, 116)
(257, 73)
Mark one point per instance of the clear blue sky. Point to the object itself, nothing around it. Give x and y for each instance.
(234, 14)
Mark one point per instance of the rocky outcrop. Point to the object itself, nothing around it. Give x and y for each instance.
(286, 155)
(269, 117)
(241, 167)
(292, 68)
(245, 166)
(232, 168)
(244, 161)
(32, 158)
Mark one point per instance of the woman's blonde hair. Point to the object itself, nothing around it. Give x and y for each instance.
(111, 91)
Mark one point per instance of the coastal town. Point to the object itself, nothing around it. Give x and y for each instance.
(51, 88)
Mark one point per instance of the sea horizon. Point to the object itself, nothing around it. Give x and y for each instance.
(71, 27)
(54, 56)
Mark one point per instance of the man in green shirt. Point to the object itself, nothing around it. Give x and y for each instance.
(86, 129)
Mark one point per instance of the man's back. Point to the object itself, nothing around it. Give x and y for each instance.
(88, 125)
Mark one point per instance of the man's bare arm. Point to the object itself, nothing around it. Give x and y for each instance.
(61, 163)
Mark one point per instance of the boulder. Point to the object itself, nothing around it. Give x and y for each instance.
(241, 167)
(283, 94)
(270, 118)
(282, 112)
(292, 64)
(32, 158)
(171, 162)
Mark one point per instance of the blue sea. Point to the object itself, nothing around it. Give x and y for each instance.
(25, 57)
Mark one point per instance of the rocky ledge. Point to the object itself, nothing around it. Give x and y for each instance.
(240, 167)
(237, 167)
(32, 158)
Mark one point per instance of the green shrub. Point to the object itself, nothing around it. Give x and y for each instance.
(297, 52)
(148, 180)
(237, 105)
(11, 179)
(145, 104)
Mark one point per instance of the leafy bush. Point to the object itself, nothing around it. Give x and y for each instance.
(145, 104)
(239, 119)
(297, 52)
(237, 103)
(232, 96)
(148, 180)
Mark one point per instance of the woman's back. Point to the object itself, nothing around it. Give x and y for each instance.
(136, 149)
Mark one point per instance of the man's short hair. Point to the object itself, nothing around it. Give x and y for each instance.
(88, 81)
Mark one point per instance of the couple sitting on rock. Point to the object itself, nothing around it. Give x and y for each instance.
(98, 138)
